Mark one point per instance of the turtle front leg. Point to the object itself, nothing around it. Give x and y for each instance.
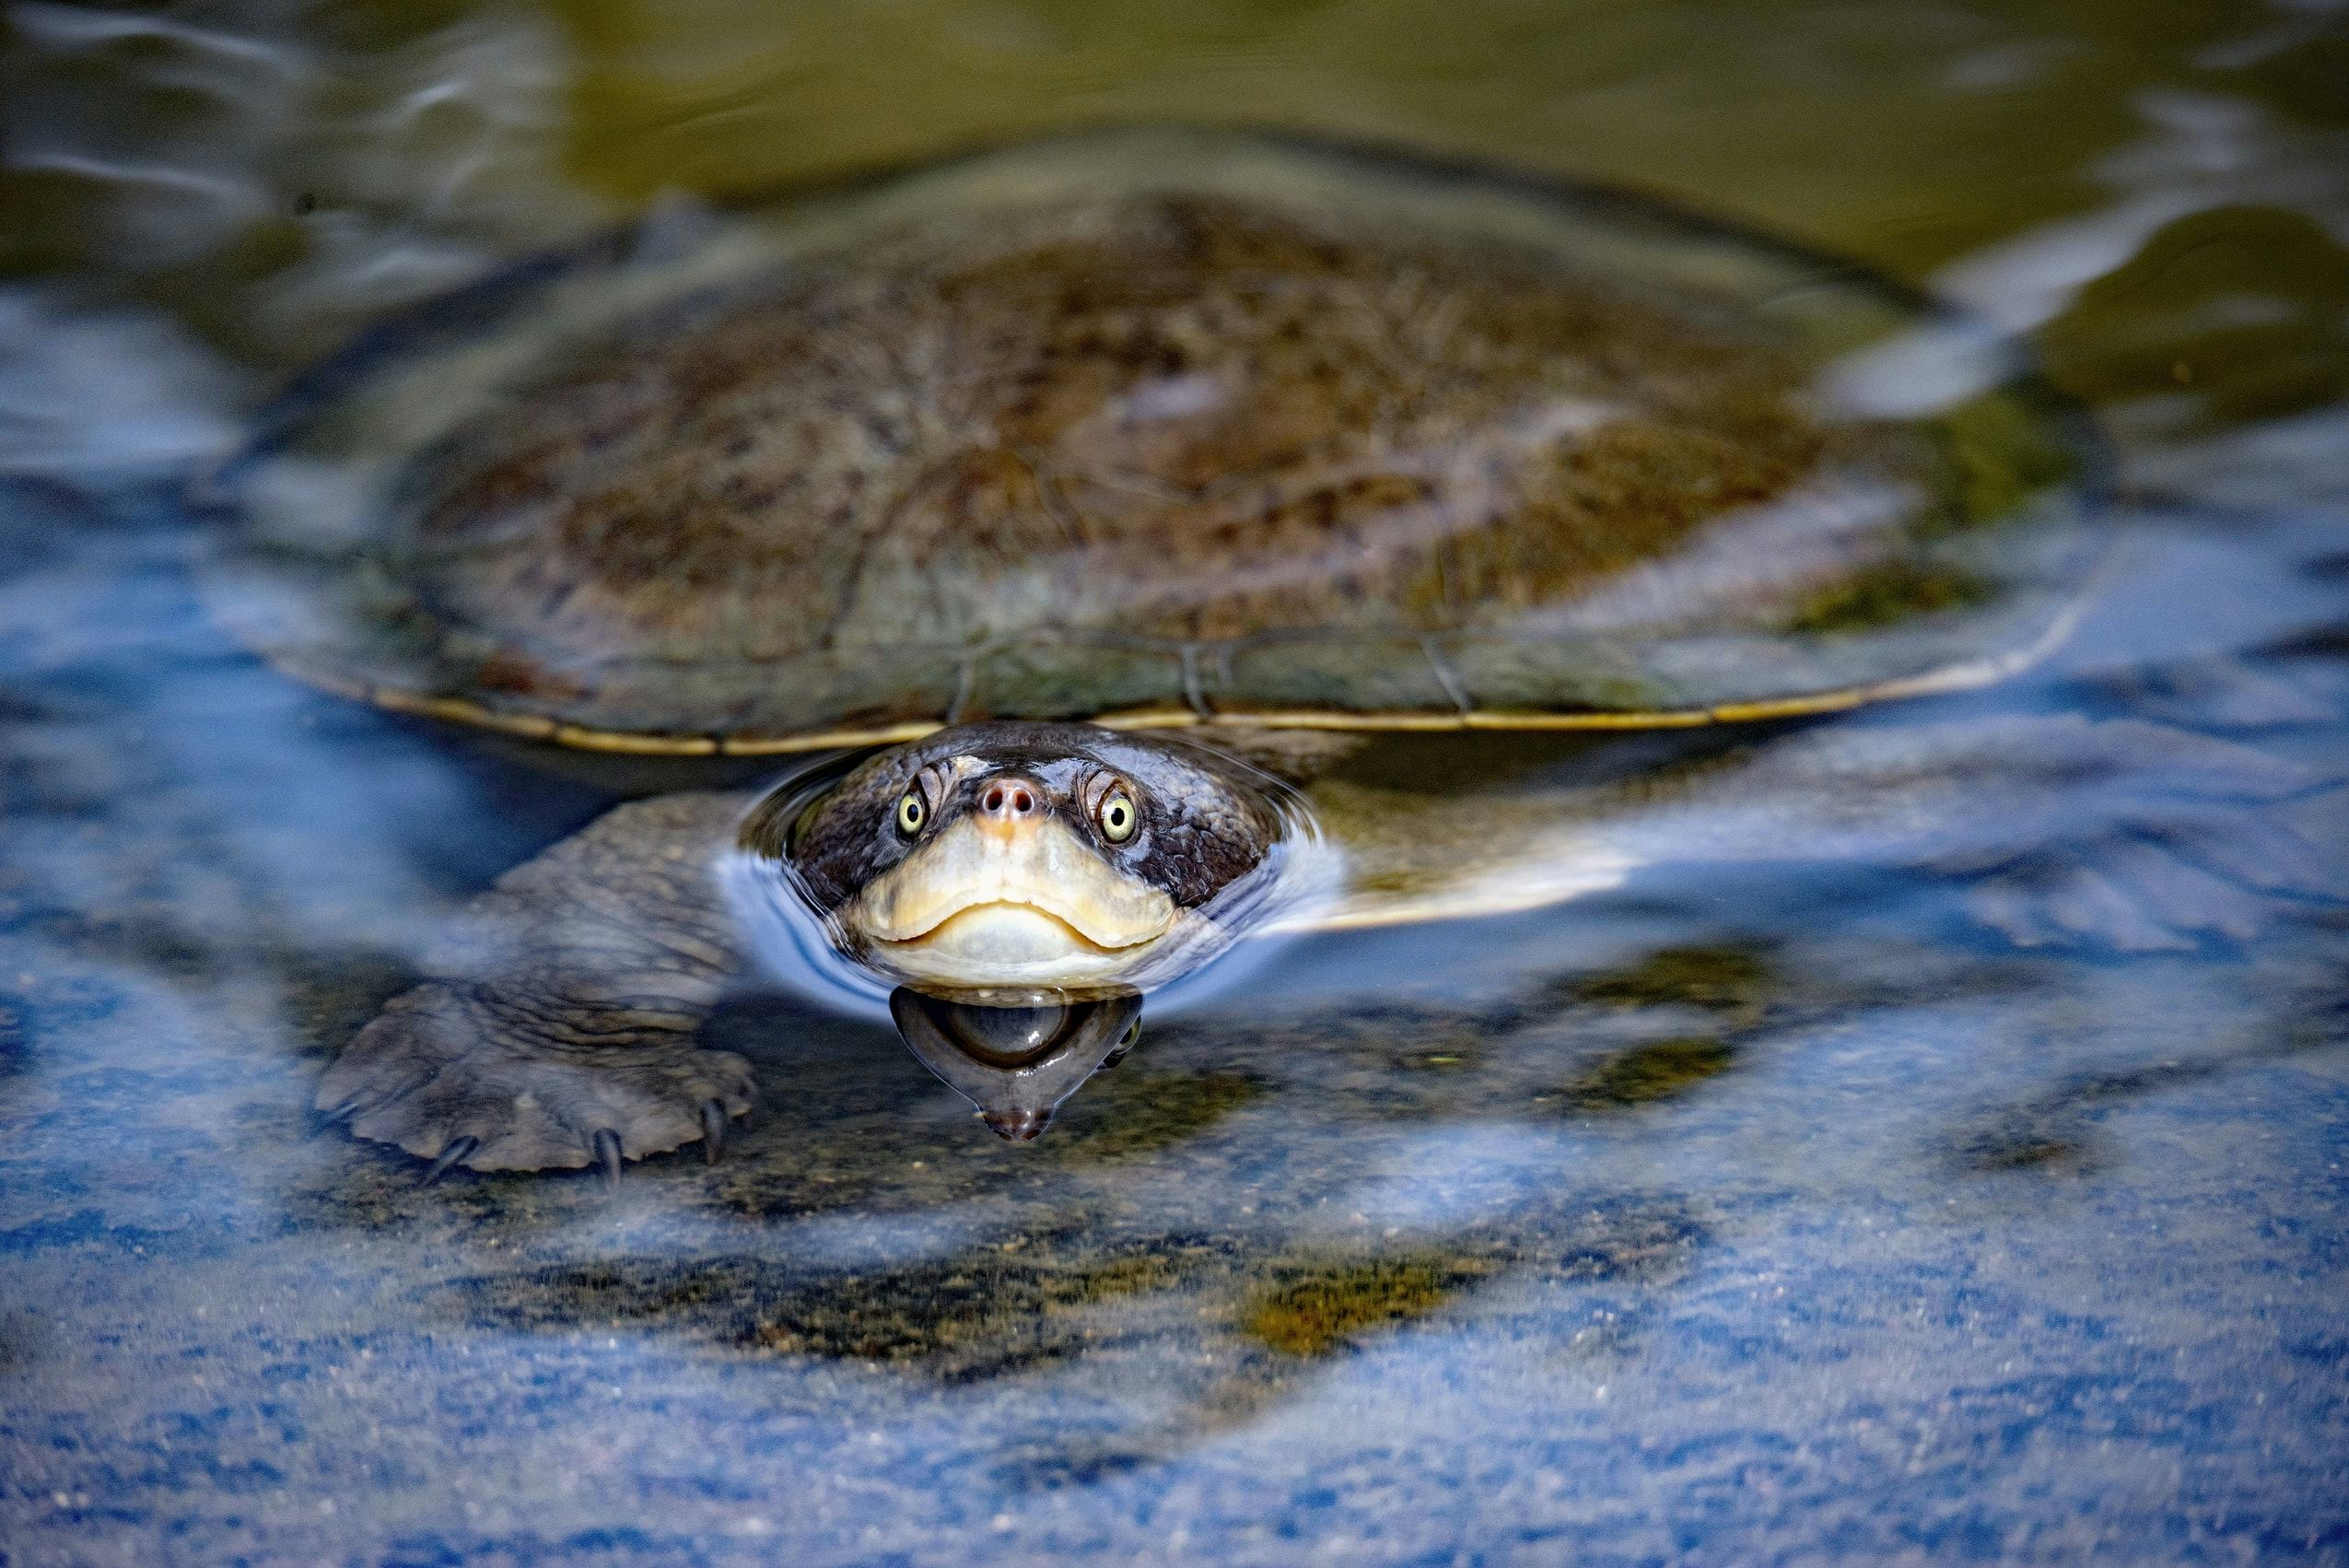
(558, 1026)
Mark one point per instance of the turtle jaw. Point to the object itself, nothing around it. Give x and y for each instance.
(1008, 947)
(979, 907)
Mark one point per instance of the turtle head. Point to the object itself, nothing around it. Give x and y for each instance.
(1014, 854)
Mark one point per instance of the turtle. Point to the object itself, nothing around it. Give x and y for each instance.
(1078, 506)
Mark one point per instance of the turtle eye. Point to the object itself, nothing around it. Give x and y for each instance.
(912, 811)
(1116, 815)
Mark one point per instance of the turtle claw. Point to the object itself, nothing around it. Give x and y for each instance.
(443, 1060)
(606, 1144)
(450, 1158)
(713, 1131)
(326, 1121)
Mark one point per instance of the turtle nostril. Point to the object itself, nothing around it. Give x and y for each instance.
(1011, 797)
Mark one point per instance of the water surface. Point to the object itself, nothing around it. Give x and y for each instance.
(1738, 1212)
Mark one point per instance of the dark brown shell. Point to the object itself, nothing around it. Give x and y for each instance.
(1151, 427)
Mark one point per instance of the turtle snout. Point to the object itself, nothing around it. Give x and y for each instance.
(1009, 802)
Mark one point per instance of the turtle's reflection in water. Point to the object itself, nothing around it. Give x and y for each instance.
(1017, 1063)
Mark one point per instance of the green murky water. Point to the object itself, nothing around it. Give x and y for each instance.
(1732, 1214)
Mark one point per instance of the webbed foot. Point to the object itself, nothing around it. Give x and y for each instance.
(560, 1028)
(463, 1080)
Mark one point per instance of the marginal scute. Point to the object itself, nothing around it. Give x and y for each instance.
(1527, 674)
(1059, 678)
(1146, 425)
(1340, 673)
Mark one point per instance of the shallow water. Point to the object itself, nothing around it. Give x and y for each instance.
(1736, 1212)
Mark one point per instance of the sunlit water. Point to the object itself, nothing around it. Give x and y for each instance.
(1731, 1214)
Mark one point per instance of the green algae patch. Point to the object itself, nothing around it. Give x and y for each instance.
(1719, 980)
(975, 1316)
(2005, 451)
(1326, 1309)
(1644, 1075)
(1143, 1112)
(1888, 595)
(987, 1312)
(2029, 1153)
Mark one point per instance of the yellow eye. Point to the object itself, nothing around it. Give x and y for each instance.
(911, 812)
(1117, 816)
